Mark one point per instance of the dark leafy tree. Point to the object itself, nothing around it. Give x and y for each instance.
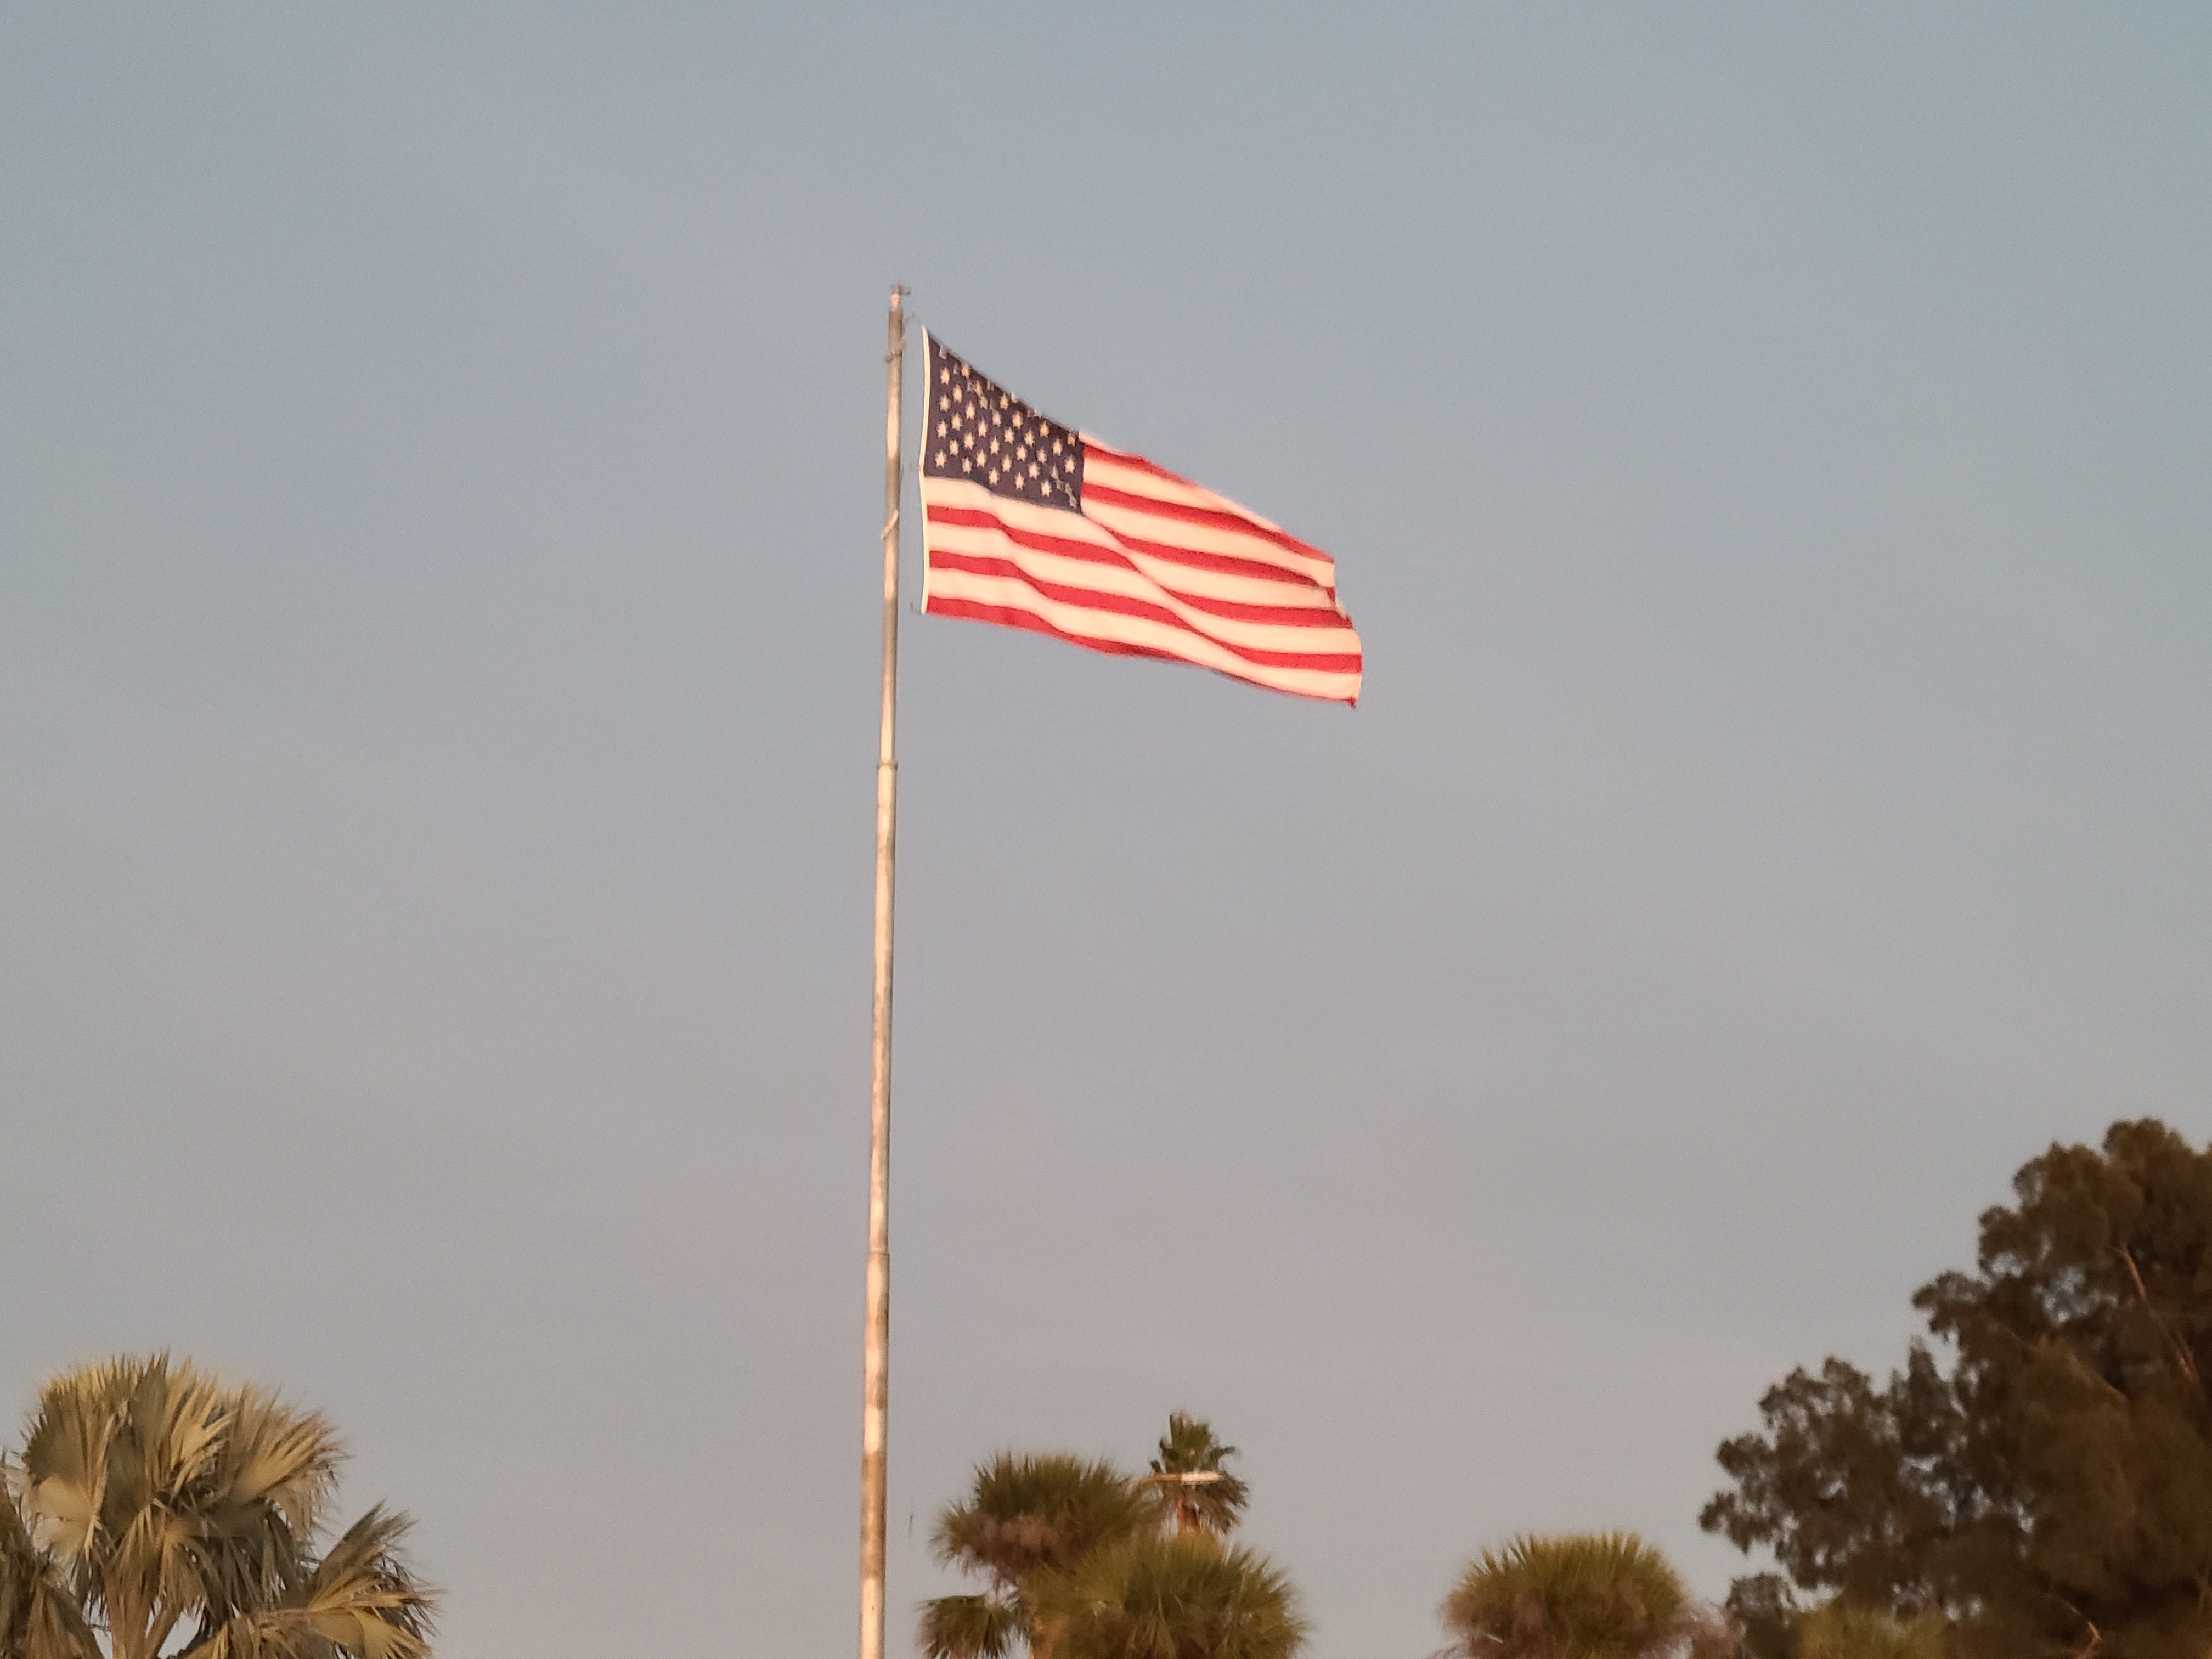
(2050, 1493)
(1861, 1475)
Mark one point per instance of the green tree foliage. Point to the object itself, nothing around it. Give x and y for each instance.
(2050, 1493)
(1081, 1561)
(169, 1512)
(1587, 1595)
(1178, 1596)
(1026, 1518)
(1214, 1506)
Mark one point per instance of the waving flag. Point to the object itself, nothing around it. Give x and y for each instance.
(1028, 524)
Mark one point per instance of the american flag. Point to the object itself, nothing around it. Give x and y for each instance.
(1028, 524)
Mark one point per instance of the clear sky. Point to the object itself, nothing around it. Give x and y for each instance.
(1767, 452)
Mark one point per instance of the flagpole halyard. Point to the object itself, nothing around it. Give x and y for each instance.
(875, 1410)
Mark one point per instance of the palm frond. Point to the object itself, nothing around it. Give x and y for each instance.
(361, 1601)
(1215, 1505)
(1594, 1595)
(363, 1597)
(64, 1463)
(37, 1618)
(1189, 1444)
(277, 1455)
(969, 1627)
(169, 1500)
(1177, 1596)
(175, 1416)
(1026, 1513)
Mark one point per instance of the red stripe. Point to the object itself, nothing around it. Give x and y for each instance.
(1211, 517)
(1122, 605)
(1237, 519)
(1277, 615)
(1010, 617)
(970, 518)
(1122, 457)
(1227, 564)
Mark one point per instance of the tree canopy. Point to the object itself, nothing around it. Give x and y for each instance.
(167, 1512)
(1082, 1561)
(1580, 1595)
(1180, 1595)
(1215, 1501)
(2039, 1474)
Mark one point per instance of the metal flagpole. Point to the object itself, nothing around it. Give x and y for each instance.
(876, 1369)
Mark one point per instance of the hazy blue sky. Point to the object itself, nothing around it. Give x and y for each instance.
(1767, 452)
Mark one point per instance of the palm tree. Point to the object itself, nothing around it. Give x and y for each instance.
(1177, 1596)
(1027, 1518)
(1214, 1505)
(1597, 1596)
(1838, 1629)
(152, 1501)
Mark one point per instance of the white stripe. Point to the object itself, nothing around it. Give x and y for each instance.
(1137, 575)
(1133, 575)
(1172, 576)
(1012, 594)
(1121, 581)
(1111, 469)
(1023, 515)
(1124, 469)
(1317, 573)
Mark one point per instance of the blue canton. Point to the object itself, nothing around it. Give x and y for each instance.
(978, 430)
